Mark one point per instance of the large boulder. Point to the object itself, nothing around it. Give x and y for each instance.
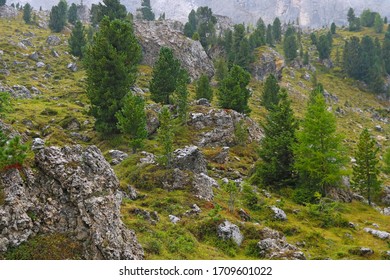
(227, 230)
(153, 35)
(377, 233)
(190, 158)
(8, 12)
(268, 61)
(203, 186)
(74, 191)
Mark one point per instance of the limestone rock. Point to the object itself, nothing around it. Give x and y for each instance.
(361, 251)
(37, 144)
(268, 62)
(153, 35)
(195, 210)
(279, 213)
(34, 56)
(72, 67)
(386, 195)
(378, 233)
(386, 211)
(148, 158)
(190, 158)
(152, 122)
(22, 92)
(40, 64)
(174, 219)
(203, 102)
(53, 40)
(222, 157)
(203, 186)
(227, 230)
(131, 193)
(117, 156)
(8, 12)
(244, 215)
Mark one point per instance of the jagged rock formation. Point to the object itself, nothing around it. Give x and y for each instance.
(73, 191)
(8, 12)
(153, 35)
(268, 62)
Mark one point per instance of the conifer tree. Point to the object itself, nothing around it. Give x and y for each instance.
(324, 47)
(276, 148)
(277, 30)
(165, 136)
(113, 9)
(386, 54)
(203, 88)
(233, 92)
(2, 2)
(181, 96)
(306, 58)
(132, 120)
(72, 14)
(271, 89)
(12, 152)
(318, 153)
(111, 64)
(366, 171)
(164, 77)
(386, 160)
(333, 28)
(58, 16)
(290, 45)
(191, 26)
(5, 103)
(77, 40)
(27, 13)
(378, 23)
(269, 38)
(221, 69)
(146, 10)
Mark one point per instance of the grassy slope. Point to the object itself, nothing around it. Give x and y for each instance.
(195, 238)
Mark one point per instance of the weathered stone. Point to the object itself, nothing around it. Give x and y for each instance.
(174, 219)
(20, 92)
(378, 128)
(195, 210)
(268, 62)
(81, 137)
(34, 56)
(203, 186)
(386, 211)
(178, 181)
(223, 156)
(8, 12)
(37, 144)
(145, 215)
(148, 158)
(131, 193)
(378, 233)
(40, 64)
(278, 213)
(53, 40)
(190, 158)
(227, 230)
(117, 156)
(203, 102)
(5, 72)
(361, 251)
(72, 67)
(152, 122)
(244, 215)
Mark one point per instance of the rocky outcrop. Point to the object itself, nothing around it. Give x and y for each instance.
(203, 186)
(153, 35)
(279, 214)
(73, 191)
(218, 127)
(8, 12)
(227, 230)
(190, 158)
(378, 233)
(268, 62)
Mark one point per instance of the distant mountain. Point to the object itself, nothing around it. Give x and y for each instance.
(311, 13)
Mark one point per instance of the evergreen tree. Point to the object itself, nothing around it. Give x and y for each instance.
(385, 20)
(386, 160)
(367, 18)
(111, 65)
(233, 92)
(113, 9)
(378, 23)
(146, 10)
(72, 14)
(271, 89)
(132, 120)
(191, 26)
(318, 154)
(12, 152)
(165, 136)
(58, 16)
(182, 96)
(269, 36)
(365, 171)
(324, 47)
(203, 88)
(257, 38)
(333, 28)
(354, 22)
(313, 38)
(2, 2)
(276, 148)
(386, 54)
(244, 56)
(221, 69)
(306, 58)
(27, 13)
(206, 26)
(5, 103)
(77, 40)
(290, 45)
(164, 77)
(277, 30)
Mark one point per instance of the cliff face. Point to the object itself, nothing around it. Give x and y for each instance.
(73, 191)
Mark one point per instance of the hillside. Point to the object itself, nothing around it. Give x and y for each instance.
(179, 213)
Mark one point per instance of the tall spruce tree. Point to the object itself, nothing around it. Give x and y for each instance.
(2, 2)
(77, 40)
(146, 10)
(277, 30)
(324, 47)
(203, 88)
(113, 9)
(233, 92)
(111, 65)
(165, 136)
(386, 160)
(58, 16)
(378, 23)
(269, 38)
(365, 170)
(290, 45)
(270, 97)
(181, 96)
(276, 167)
(132, 120)
(333, 28)
(318, 153)
(191, 26)
(27, 9)
(164, 77)
(72, 14)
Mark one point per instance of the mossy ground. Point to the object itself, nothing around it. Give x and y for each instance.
(63, 96)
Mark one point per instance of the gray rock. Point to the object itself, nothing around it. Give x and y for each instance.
(27, 43)
(53, 40)
(8, 12)
(378, 128)
(148, 158)
(361, 251)
(72, 67)
(55, 53)
(40, 64)
(203, 102)
(195, 210)
(227, 230)
(386, 211)
(131, 193)
(22, 46)
(378, 233)
(117, 156)
(328, 63)
(306, 76)
(279, 213)
(146, 215)
(223, 156)
(269, 62)
(174, 219)
(203, 186)
(5, 72)
(37, 144)
(20, 92)
(386, 195)
(81, 137)
(190, 158)
(152, 122)
(34, 56)
(244, 215)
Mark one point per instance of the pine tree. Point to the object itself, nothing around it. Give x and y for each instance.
(165, 136)
(164, 76)
(318, 153)
(366, 171)
(27, 13)
(77, 40)
(2, 2)
(58, 16)
(221, 69)
(5, 103)
(269, 38)
(386, 54)
(271, 89)
(111, 65)
(354, 22)
(324, 47)
(181, 96)
(333, 28)
(276, 148)
(203, 88)
(378, 23)
(113, 9)
(12, 152)
(146, 10)
(367, 18)
(306, 58)
(290, 45)
(233, 92)
(132, 120)
(277, 30)
(386, 160)
(191, 26)
(72, 14)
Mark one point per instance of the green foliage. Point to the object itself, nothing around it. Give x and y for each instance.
(12, 152)
(5, 103)
(386, 53)
(111, 66)
(249, 197)
(318, 153)
(221, 69)
(313, 38)
(191, 26)
(290, 45)
(165, 76)
(269, 38)
(241, 133)
(72, 14)
(367, 18)
(333, 28)
(77, 40)
(365, 170)
(165, 136)
(354, 22)
(113, 9)
(386, 160)
(327, 213)
(203, 88)
(324, 47)
(276, 148)
(181, 96)
(58, 16)
(378, 24)
(2, 2)
(132, 120)
(257, 38)
(146, 10)
(271, 89)
(233, 92)
(277, 30)
(306, 58)
(27, 9)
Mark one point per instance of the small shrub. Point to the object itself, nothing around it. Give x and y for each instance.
(153, 246)
(327, 214)
(252, 250)
(49, 112)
